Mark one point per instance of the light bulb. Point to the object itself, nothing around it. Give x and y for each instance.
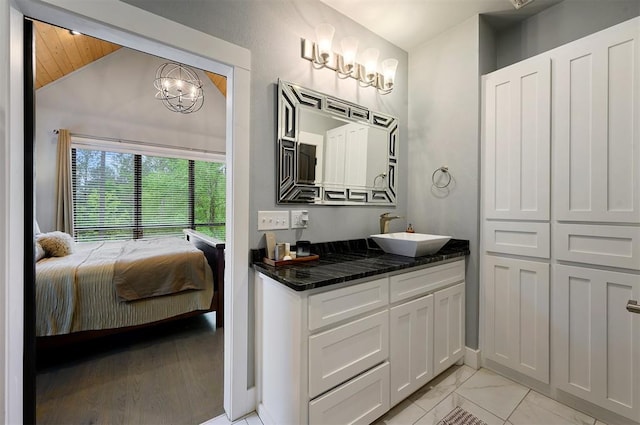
(369, 61)
(349, 50)
(389, 67)
(324, 38)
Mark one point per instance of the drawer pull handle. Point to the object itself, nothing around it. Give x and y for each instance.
(633, 307)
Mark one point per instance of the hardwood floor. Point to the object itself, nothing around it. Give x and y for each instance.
(168, 374)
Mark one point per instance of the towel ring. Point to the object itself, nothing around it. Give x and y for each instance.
(381, 175)
(444, 170)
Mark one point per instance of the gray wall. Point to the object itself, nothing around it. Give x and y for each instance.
(565, 22)
(444, 130)
(272, 30)
(121, 106)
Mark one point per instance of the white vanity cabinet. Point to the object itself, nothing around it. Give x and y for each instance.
(345, 354)
(422, 332)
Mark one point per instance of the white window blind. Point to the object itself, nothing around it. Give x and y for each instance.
(120, 195)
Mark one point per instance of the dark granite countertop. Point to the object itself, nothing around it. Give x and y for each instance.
(349, 260)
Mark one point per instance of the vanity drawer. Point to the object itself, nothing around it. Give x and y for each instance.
(359, 401)
(339, 354)
(412, 284)
(518, 237)
(334, 306)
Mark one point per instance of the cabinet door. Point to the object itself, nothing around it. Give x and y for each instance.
(448, 327)
(411, 347)
(596, 134)
(335, 150)
(596, 340)
(516, 137)
(516, 294)
(355, 161)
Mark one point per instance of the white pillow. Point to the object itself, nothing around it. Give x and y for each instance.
(56, 244)
(39, 254)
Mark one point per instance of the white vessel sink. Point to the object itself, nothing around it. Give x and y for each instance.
(410, 244)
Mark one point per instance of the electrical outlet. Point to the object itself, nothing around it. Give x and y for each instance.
(299, 219)
(273, 220)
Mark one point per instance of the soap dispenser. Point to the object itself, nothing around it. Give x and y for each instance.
(410, 229)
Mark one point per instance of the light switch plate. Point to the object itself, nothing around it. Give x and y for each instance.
(273, 220)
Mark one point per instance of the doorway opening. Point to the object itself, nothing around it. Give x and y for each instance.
(120, 372)
(137, 29)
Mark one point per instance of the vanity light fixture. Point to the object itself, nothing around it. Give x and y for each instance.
(179, 88)
(365, 70)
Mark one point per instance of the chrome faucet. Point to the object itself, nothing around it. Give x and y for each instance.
(385, 218)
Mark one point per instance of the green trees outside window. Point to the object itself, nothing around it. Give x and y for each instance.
(120, 195)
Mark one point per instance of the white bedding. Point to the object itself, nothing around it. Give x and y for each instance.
(76, 293)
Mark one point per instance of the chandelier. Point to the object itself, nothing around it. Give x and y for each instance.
(179, 88)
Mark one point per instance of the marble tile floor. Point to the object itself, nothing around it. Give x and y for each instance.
(251, 419)
(490, 397)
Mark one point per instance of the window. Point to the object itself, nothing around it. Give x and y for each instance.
(119, 195)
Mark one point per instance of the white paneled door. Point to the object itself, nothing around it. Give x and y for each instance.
(411, 347)
(596, 340)
(448, 329)
(517, 315)
(596, 133)
(517, 136)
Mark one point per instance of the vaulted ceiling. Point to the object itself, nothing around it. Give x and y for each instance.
(59, 53)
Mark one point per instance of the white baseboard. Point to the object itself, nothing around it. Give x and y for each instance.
(472, 358)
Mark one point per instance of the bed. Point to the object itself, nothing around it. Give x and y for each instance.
(111, 286)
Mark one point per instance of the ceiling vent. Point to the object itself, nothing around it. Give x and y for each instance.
(520, 3)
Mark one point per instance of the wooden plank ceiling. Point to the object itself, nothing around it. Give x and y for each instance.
(58, 53)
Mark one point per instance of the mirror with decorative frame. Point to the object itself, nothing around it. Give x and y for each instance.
(333, 152)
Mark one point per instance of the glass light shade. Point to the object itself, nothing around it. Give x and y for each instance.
(324, 38)
(389, 67)
(349, 51)
(369, 60)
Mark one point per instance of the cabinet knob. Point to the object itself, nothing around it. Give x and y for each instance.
(633, 307)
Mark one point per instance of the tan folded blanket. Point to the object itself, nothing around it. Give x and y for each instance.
(149, 268)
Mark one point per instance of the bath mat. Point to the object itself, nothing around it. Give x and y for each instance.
(460, 416)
